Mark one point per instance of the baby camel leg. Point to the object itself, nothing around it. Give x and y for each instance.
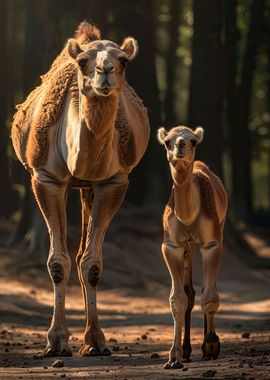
(108, 197)
(174, 258)
(210, 300)
(189, 290)
(50, 196)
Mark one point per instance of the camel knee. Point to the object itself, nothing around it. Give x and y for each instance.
(210, 302)
(178, 303)
(91, 271)
(59, 268)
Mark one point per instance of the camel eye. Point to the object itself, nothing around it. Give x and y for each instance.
(123, 61)
(193, 142)
(82, 62)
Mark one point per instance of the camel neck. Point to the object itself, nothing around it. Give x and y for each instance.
(99, 114)
(186, 198)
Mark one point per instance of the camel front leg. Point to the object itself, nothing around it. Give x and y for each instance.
(190, 292)
(50, 196)
(108, 197)
(210, 300)
(174, 258)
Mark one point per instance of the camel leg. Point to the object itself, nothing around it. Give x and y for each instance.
(174, 258)
(50, 196)
(210, 300)
(108, 197)
(86, 196)
(189, 290)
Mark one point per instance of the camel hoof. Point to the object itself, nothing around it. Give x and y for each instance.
(173, 365)
(50, 352)
(96, 352)
(210, 347)
(167, 365)
(177, 364)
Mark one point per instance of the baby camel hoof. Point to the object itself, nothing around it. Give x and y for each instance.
(186, 356)
(50, 352)
(97, 352)
(86, 350)
(173, 365)
(186, 359)
(210, 346)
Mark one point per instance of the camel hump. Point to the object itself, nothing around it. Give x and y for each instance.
(86, 33)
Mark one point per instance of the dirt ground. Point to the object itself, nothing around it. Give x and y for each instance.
(134, 313)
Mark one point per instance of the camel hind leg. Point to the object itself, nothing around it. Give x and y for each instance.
(86, 196)
(189, 290)
(210, 300)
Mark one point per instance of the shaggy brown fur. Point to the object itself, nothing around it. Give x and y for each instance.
(96, 120)
(51, 106)
(206, 180)
(127, 153)
(87, 33)
(54, 86)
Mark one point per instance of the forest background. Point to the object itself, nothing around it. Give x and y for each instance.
(200, 63)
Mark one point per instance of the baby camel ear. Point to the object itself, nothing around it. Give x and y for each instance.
(161, 134)
(130, 47)
(73, 48)
(199, 132)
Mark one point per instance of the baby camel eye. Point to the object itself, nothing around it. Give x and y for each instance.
(167, 143)
(193, 142)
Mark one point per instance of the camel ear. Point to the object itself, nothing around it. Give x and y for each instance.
(161, 134)
(73, 48)
(130, 47)
(199, 132)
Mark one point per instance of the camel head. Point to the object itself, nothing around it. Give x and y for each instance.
(101, 65)
(180, 143)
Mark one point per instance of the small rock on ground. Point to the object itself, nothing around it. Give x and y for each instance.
(209, 373)
(154, 355)
(58, 363)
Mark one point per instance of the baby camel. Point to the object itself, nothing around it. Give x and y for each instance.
(194, 216)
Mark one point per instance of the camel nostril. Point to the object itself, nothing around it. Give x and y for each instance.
(105, 69)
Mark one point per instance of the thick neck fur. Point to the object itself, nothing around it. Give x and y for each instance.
(99, 114)
(93, 142)
(185, 193)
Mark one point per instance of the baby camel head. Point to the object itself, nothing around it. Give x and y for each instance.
(180, 143)
(102, 64)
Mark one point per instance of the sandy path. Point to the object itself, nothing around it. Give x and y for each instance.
(127, 315)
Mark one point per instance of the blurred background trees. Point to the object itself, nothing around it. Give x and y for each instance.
(200, 63)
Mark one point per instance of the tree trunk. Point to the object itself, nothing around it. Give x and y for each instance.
(147, 180)
(39, 46)
(242, 186)
(171, 59)
(231, 43)
(206, 83)
(5, 187)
